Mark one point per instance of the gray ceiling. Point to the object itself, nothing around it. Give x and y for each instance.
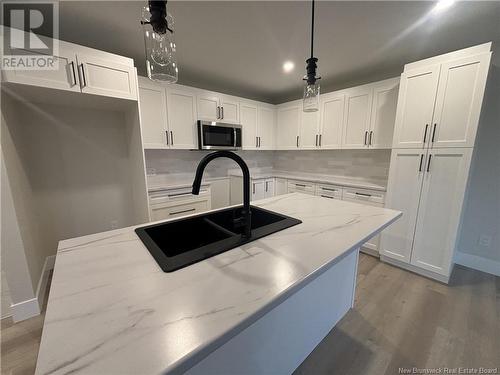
(239, 47)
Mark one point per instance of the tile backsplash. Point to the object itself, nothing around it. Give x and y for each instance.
(370, 165)
(185, 162)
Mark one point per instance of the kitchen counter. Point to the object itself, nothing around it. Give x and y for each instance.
(111, 309)
(316, 178)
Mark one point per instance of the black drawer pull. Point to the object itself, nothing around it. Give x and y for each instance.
(182, 212)
(363, 194)
(326, 196)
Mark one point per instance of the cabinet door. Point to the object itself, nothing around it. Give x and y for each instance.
(440, 209)
(230, 110)
(181, 106)
(417, 94)
(208, 106)
(258, 190)
(403, 194)
(269, 187)
(287, 130)
(309, 130)
(106, 77)
(332, 118)
(385, 100)
(63, 78)
(458, 102)
(153, 112)
(248, 115)
(280, 186)
(357, 113)
(266, 126)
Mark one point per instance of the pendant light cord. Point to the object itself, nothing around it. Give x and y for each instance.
(312, 29)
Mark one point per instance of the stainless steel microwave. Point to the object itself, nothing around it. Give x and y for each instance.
(218, 136)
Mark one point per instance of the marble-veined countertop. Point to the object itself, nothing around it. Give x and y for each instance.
(112, 310)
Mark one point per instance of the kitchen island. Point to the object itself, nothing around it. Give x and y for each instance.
(261, 307)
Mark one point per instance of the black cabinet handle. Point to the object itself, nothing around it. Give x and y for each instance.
(366, 134)
(297, 141)
(425, 132)
(256, 142)
(181, 212)
(316, 140)
(168, 142)
(218, 112)
(172, 136)
(421, 160)
(326, 196)
(429, 163)
(83, 82)
(253, 189)
(320, 140)
(328, 189)
(300, 185)
(370, 139)
(259, 142)
(222, 112)
(73, 72)
(266, 185)
(433, 133)
(363, 194)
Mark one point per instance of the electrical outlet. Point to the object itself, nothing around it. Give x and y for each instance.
(114, 224)
(151, 171)
(484, 240)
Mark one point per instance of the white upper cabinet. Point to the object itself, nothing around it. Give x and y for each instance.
(85, 70)
(357, 113)
(309, 130)
(332, 118)
(229, 110)
(153, 112)
(417, 93)
(217, 107)
(266, 127)
(440, 208)
(288, 125)
(458, 101)
(63, 78)
(385, 97)
(249, 119)
(181, 108)
(403, 193)
(102, 77)
(208, 106)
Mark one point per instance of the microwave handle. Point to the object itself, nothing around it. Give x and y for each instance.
(234, 137)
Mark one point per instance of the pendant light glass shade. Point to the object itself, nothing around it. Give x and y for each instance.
(161, 59)
(311, 97)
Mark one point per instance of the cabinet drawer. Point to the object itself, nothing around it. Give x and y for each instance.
(329, 191)
(162, 212)
(375, 198)
(301, 187)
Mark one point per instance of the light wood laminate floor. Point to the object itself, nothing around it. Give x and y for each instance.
(399, 320)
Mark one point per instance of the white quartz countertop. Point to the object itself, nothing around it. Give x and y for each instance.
(112, 310)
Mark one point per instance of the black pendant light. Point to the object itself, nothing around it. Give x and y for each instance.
(311, 89)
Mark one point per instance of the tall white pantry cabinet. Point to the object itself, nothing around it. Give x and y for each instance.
(437, 116)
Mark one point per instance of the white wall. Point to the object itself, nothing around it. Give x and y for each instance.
(481, 214)
(72, 171)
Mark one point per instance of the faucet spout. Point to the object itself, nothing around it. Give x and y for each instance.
(246, 213)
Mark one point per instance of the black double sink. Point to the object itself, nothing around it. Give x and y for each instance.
(179, 243)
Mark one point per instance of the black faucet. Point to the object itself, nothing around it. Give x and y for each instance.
(245, 220)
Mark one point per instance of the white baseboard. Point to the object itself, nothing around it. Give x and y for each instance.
(478, 263)
(33, 307)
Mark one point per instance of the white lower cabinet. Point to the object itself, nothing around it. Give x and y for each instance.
(301, 187)
(329, 191)
(171, 203)
(280, 186)
(262, 188)
(429, 188)
(370, 198)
